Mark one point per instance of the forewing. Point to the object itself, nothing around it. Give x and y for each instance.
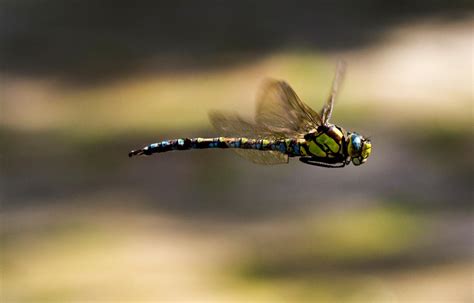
(282, 111)
(326, 112)
(263, 157)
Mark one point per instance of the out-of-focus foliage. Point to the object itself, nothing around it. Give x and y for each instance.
(83, 84)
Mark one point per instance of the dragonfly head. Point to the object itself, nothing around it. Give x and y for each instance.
(358, 148)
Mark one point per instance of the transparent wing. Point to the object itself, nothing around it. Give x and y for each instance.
(280, 114)
(281, 110)
(263, 157)
(326, 112)
(231, 124)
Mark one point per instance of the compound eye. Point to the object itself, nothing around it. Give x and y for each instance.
(356, 142)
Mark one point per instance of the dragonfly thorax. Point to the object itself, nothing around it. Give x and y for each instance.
(325, 142)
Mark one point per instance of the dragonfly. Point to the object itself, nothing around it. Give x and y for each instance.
(284, 127)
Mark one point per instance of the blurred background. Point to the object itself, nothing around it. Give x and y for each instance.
(83, 82)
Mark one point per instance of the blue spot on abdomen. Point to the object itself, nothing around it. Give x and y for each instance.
(282, 147)
(296, 148)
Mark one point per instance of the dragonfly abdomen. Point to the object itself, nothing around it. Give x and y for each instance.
(283, 146)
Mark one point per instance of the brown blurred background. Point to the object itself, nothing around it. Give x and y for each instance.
(83, 82)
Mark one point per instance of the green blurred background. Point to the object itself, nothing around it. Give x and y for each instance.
(83, 82)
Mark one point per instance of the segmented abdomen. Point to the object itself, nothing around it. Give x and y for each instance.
(286, 146)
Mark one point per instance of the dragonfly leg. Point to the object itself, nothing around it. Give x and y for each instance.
(316, 162)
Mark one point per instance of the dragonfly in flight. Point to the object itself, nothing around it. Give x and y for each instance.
(284, 127)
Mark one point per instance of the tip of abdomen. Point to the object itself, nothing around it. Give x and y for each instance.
(135, 153)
